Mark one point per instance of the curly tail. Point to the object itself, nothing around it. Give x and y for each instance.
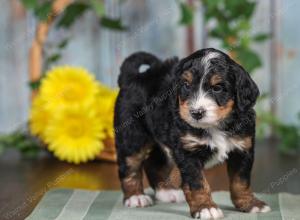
(130, 67)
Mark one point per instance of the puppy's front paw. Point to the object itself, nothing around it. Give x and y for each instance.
(253, 206)
(138, 201)
(263, 209)
(170, 195)
(208, 213)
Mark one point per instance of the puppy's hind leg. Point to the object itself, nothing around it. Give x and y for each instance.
(163, 175)
(132, 151)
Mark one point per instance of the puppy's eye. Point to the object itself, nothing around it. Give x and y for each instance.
(217, 89)
(186, 86)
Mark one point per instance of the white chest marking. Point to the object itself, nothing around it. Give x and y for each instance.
(223, 144)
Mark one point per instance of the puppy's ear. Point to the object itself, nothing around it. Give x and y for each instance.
(246, 90)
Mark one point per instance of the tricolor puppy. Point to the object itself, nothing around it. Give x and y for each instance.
(177, 118)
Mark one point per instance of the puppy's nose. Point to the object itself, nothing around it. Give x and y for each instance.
(198, 114)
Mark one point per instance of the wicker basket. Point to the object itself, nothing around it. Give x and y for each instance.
(36, 60)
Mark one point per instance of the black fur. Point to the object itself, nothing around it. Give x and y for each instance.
(147, 112)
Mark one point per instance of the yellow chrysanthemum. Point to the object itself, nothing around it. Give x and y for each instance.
(74, 134)
(38, 118)
(68, 86)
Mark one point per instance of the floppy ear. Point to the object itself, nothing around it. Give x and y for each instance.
(246, 90)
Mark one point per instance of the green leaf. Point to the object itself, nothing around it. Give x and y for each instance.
(98, 6)
(289, 136)
(71, 13)
(34, 85)
(63, 44)
(261, 37)
(21, 141)
(112, 23)
(42, 12)
(248, 9)
(211, 5)
(53, 58)
(187, 14)
(249, 59)
(29, 4)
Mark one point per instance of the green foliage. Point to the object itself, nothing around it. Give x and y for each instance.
(187, 14)
(98, 6)
(288, 135)
(71, 13)
(34, 85)
(261, 37)
(29, 4)
(249, 59)
(114, 24)
(43, 11)
(55, 56)
(27, 145)
(232, 19)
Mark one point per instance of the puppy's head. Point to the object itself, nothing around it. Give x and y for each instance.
(212, 86)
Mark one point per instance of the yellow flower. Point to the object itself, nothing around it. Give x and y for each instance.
(68, 86)
(38, 118)
(74, 134)
(105, 109)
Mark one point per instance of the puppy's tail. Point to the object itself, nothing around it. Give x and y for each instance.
(130, 67)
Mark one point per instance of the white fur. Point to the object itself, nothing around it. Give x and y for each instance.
(202, 100)
(223, 144)
(262, 210)
(170, 195)
(212, 213)
(206, 59)
(218, 141)
(167, 151)
(138, 201)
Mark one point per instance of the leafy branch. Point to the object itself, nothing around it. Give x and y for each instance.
(23, 142)
(42, 10)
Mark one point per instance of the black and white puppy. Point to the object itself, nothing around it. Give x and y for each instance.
(179, 117)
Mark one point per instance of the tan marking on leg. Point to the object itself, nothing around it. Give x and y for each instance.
(166, 176)
(170, 178)
(199, 199)
(215, 79)
(242, 195)
(188, 76)
(223, 111)
(191, 142)
(132, 184)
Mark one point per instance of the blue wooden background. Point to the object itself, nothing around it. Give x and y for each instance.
(154, 28)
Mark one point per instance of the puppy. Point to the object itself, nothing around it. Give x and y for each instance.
(179, 117)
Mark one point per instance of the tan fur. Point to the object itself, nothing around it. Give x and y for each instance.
(169, 177)
(188, 76)
(215, 79)
(200, 198)
(242, 195)
(223, 111)
(191, 142)
(132, 184)
(245, 142)
(184, 111)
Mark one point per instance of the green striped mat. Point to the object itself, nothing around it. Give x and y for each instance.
(64, 204)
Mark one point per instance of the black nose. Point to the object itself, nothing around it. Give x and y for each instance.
(198, 114)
